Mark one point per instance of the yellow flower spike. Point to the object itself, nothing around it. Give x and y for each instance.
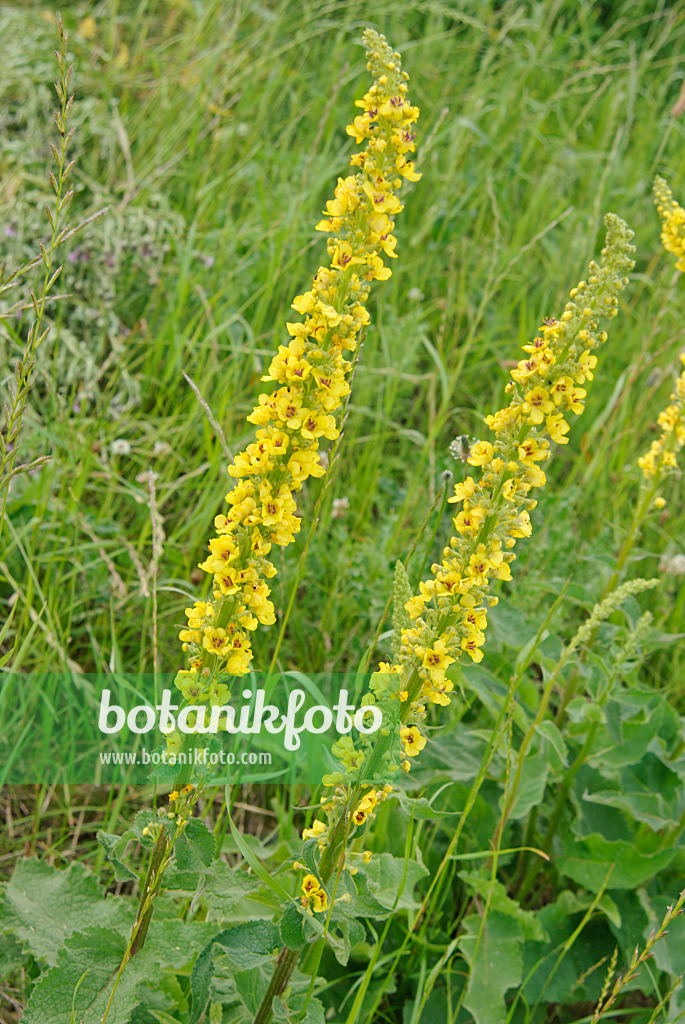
(449, 615)
(673, 221)
(311, 374)
(173, 796)
(662, 457)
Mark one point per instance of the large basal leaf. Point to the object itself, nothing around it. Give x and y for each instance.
(495, 965)
(248, 946)
(87, 966)
(42, 906)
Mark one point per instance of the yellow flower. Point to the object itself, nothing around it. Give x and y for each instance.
(318, 901)
(412, 740)
(557, 428)
(310, 884)
(317, 829)
(537, 404)
(662, 457)
(481, 454)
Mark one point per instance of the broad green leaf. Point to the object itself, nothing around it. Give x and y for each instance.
(391, 880)
(344, 933)
(195, 847)
(248, 946)
(93, 956)
(532, 784)
(495, 965)
(292, 928)
(42, 906)
(421, 808)
(290, 1009)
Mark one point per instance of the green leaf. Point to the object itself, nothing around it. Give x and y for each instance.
(421, 808)
(344, 933)
(588, 860)
(115, 849)
(42, 906)
(253, 861)
(292, 928)
(195, 847)
(556, 744)
(289, 1010)
(248, 946)
(495, 965)
(532, 784)
(391, 880)
(480, 884)
(90, 959)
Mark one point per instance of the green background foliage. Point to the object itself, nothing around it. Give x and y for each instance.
(213, 133)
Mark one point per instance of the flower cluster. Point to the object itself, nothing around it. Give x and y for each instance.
(673, 221)
(661, 458)
(313, 896)
(449, 614)
(311, 374)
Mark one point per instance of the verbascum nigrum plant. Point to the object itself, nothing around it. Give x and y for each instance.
(449, 614)
(311, 373)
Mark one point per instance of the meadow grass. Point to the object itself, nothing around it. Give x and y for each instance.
(213, 132)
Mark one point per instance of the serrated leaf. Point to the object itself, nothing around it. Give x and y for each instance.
(93, 956)
(42, 906)
(194, 848)
(248, 946)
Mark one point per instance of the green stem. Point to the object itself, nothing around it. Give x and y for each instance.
(285, 965)
(144, 915)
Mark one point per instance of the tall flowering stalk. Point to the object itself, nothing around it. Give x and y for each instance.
(448, 616)
(311, 372)
(660, 460)
(662, 457)
(672, 220)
